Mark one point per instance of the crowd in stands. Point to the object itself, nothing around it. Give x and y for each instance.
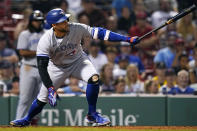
(163, 63)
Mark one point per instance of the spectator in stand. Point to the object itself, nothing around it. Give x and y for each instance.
(75, 6)
(133, 83)
(151, 86)
(141, 27)
(167, 54)
(6, 53)
(111, 24)
(193, 66)
(120, 71)
(106, 77)
(119, 85)
(83, 18)
(63, 4)
(74, 87)
(188, 32)
(139, 6)
(6, 74)
(98, 58)
(145, 50)
(161, 16)
(22, 25)
(17, 70)
(159, 77)
(15, 81)
(96, 16)
(117, 6)
(3, 85)
(3, 88)
(181, 58)
(151, 5)
(15, 86)
(125, 50)
(183, 83)
(111, 53)
(163, 34)
(126, 20)
(182, 63)
(170, 86)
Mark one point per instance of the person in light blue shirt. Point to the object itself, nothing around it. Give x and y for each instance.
(125, 51)
(167, 54)
(74, 87)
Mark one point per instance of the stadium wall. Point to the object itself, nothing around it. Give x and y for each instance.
(148, 110)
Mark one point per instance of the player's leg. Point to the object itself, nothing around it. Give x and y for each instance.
(26, 86)
(35, 108)
(57, 76)
(37, 86)
(87, 72)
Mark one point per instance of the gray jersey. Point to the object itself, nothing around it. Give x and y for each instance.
(29, 41)
(63, 52)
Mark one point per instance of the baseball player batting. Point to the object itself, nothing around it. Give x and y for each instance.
(30, 81)
(60, 55)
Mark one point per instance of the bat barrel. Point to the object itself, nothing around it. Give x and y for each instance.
(182, 14)
(173, 19)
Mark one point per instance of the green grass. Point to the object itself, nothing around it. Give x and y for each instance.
(90, 129)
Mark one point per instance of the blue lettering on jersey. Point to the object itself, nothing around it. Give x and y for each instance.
(68, 48)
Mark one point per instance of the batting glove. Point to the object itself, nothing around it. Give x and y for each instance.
(52, 96)
(134, 40)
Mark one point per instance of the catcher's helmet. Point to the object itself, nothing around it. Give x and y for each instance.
(36, 15)
(56, 16)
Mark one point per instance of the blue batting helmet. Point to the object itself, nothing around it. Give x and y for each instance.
(56, 16)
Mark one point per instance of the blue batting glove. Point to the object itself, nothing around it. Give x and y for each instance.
(134, 40)
(52, 96)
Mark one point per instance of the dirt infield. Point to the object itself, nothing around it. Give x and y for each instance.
(112, 128)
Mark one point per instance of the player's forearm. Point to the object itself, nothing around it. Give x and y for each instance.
(27, 53)
(103, 34)
(42, 68)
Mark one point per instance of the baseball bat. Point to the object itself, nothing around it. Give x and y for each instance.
(173, 19)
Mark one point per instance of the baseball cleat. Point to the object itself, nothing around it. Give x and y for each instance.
(20, 123)
(96, 119)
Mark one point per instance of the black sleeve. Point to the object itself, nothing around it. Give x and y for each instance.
(42, 68)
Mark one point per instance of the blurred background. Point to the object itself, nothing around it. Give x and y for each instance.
(162, 68)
